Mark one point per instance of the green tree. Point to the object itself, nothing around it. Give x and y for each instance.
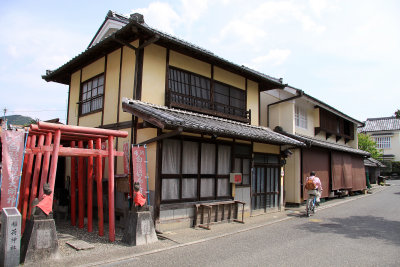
(397, 113)
(366, 143)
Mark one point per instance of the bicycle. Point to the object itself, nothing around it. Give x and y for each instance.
(311, 205)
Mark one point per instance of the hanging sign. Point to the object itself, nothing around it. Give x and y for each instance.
(139, 167)
(126, 157)
(13, 151)
(235, 178)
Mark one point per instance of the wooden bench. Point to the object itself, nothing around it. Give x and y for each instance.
(223, 212)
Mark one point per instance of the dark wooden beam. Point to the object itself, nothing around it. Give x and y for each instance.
(145, 117)
(163, 136)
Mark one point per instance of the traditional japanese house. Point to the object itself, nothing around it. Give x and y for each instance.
(331, 138)
(197, 113)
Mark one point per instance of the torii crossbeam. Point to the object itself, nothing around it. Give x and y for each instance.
(44, 140)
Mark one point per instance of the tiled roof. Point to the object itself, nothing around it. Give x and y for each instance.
(330, 145)
(324, 144)
(108, 44)
(196, 122)
(371, 162)
(381, 124)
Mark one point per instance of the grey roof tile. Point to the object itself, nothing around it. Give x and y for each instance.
(334, 146)
(381, 124)
(191, 121)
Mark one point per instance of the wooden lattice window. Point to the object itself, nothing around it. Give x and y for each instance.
(92, 92)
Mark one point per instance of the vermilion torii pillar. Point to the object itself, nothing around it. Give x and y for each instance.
(71, 135)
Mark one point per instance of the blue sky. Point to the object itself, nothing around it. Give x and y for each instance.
(345, 53)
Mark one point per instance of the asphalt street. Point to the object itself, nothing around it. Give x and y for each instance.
(363, 232)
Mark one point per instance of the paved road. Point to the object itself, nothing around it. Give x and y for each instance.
(363, 232)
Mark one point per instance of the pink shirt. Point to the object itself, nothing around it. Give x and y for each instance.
(317, 181)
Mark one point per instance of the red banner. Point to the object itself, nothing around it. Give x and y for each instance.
(13, 151)
(139, 167)
(126, 157)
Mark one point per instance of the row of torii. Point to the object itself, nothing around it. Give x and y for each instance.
(44, 140)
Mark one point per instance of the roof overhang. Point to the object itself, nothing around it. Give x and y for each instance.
(173, 119)
(134, 30)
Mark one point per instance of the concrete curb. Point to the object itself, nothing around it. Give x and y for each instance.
(120, 260)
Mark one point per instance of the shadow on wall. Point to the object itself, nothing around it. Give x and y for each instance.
(358, 227)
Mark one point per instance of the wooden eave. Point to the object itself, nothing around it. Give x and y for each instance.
(133, 31)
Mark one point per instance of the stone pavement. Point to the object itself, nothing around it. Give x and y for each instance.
(108, 254)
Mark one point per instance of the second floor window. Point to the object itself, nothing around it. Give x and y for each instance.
(382, 142)
(92, 95)
(192, 91)
(300, 117)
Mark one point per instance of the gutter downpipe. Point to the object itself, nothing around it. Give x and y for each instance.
(300, 93)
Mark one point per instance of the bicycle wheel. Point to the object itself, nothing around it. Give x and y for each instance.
(308, 207)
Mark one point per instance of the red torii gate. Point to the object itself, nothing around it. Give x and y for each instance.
(43, 133)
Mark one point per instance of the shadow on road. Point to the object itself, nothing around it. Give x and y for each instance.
(357, 227)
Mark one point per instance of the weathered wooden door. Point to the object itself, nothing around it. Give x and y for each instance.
(265, 188)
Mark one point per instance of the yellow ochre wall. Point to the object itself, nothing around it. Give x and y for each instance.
(266, 148)
(252, 101)
(127, 78)
(229, 78)
(190, 64)
(73, 109)
(111, 88)
(292, 177)
(93, 69)
(282, 115)
(154, 71)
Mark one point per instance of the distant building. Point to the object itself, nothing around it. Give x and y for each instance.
(386, 133)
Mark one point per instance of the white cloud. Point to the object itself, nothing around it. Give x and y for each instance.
(192, 10)
(274, 57)
(161, 16)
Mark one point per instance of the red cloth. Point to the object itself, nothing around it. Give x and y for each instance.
(139, 199)
(46, 205)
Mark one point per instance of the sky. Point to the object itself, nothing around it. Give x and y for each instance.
(344, 53)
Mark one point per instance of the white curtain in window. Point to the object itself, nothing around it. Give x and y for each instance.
(237, 167)
(207, 158)
(189, 188)
(207, 187)
(223, 187)
(190, 157)
(171, 155)
(170, 189)
(224, 159)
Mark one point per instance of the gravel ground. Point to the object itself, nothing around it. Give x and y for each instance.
(66, 232)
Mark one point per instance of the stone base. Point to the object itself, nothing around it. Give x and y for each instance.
(39, 241)
(139, 229)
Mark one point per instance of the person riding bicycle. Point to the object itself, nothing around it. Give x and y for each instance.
(314, 187)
